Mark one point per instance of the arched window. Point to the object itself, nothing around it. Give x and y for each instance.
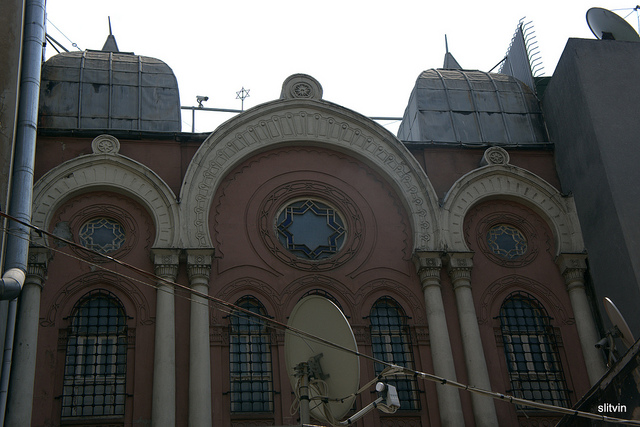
(391, 342)
(96, 358)
(250, 360)
(530, 347)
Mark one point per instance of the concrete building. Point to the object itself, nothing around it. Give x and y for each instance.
(454, 248)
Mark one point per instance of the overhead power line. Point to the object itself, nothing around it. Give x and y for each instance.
(233, 309)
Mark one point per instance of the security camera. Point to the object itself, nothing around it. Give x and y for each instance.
(604, 342)
(201, 99)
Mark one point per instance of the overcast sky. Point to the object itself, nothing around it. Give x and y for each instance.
(366, 54)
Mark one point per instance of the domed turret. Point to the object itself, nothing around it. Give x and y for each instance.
(108, 90)
(455, 106)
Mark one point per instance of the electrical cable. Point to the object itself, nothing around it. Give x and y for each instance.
(232, 309)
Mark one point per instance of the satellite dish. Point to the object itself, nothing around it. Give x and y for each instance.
(340, 370)
(618, 321)
(606, 25)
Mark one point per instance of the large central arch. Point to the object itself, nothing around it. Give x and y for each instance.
(301, 117)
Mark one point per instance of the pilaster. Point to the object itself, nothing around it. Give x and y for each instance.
(23, 370)
(163, 413)
(572, 267)
(428, 267)
(459, 267)
(199, 269)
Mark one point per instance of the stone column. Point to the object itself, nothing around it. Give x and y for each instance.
(459, 268)
(163, 411)
(199, 268)
(23, 369)
(572, 267)
(428, 266)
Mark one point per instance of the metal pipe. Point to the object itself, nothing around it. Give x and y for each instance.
(17, 248)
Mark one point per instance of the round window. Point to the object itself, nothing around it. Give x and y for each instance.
(506, 241)
(310, 229)
(102, 235)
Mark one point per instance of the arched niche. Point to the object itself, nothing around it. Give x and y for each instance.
(106, 170)
(508, 182)
(301, 117)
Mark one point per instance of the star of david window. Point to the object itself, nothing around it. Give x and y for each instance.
(102, 235)
(506, 241)
(310, 229)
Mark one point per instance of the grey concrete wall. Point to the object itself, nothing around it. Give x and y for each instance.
(592, 109)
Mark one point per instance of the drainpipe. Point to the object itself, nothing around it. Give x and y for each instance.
(17, 246)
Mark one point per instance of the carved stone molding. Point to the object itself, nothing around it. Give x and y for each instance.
(495, 156)
(199, 265)
(459, 266)
(572, 267)
(166, 262)
(105, 144)
(38, 263)
(111, 172)
(428, 266)
(298, 121)
(301, 86)
(510, 182)
(493, 297)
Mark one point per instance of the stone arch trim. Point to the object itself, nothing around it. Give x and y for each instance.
(511, 183)
(108, 172)
(290, 122)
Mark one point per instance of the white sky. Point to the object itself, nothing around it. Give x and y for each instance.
(367, 55)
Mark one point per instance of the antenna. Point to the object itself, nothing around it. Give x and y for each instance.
(620, 330)
(310, 364)
(325, 378)
(623, 331)
(606, 25)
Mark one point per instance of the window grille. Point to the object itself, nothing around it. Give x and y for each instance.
(391, 342)
(311, 229)
(531, 350)
(102, 235)
(96, 358)
(250, 360)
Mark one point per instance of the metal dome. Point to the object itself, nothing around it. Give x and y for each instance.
(108, 90)
(472, 108)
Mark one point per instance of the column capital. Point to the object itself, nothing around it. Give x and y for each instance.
(38, 264)
(459, 265)
(572, 267)
(428, 266)
(199, 265)
(166, 262)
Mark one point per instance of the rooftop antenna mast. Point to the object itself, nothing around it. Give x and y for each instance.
(242, 94)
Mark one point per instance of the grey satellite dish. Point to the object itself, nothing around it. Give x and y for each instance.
(606, 25)
(618, 321)
(340, 370)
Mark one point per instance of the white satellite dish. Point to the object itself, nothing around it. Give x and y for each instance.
(606, 25)
(618, 321)
(340, 370)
